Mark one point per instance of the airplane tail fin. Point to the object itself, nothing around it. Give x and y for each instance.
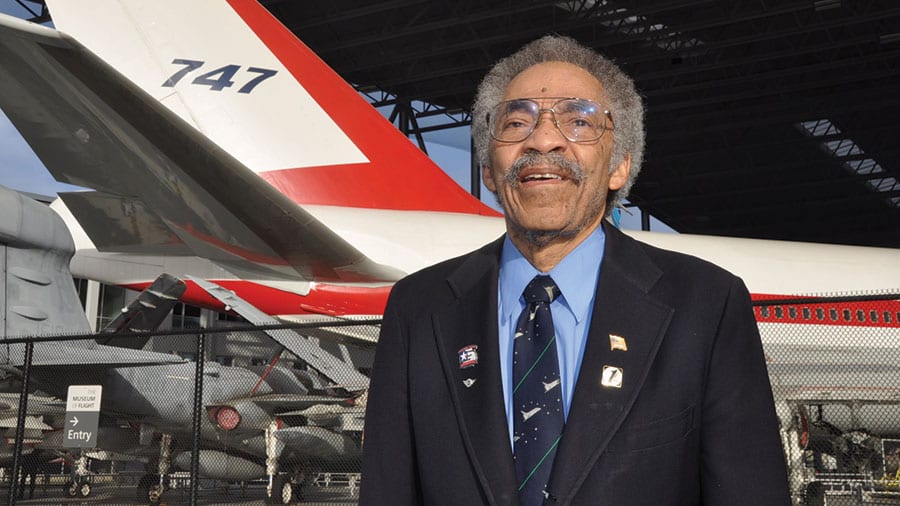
(245, 81)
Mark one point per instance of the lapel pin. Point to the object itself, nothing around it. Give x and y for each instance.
(617, 343)
(468, 382)
(611, 377)
(468, 356)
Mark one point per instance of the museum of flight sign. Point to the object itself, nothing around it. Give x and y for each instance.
(82, 416)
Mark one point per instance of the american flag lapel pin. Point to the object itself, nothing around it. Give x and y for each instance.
(617, 342)
(468, 356)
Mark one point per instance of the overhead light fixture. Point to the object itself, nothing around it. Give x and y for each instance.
(854, 159)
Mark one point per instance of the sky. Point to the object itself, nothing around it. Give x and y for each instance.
(20, 168)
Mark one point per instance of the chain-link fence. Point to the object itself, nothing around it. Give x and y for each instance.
(271, 414)
(274, 413)
(834, 364)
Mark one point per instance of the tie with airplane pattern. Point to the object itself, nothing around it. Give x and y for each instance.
(537, 395)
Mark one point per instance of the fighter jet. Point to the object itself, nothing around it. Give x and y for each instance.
(252, 416)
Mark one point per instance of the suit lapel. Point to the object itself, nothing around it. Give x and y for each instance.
(623, 308)
(477, 389)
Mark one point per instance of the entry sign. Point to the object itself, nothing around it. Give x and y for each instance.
(82, 416)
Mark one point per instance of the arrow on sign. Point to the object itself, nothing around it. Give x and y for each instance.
(74, 421)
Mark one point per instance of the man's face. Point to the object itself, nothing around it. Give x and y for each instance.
(548, 200)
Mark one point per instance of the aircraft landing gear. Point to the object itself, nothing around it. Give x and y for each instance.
(81, 488)
(154, 493)
(150, 490)
(84, 489)
(78, 485)
(151, 486)
(282, 490)
(278, 486)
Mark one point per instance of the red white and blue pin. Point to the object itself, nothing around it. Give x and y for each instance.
(468, 356)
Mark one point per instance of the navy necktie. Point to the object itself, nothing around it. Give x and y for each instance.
(537, 394)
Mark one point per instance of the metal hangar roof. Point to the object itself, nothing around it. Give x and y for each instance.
(764, 119)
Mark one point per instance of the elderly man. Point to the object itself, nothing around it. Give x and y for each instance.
(566, 363)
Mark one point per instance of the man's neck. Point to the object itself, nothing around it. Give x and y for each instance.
(545, 257)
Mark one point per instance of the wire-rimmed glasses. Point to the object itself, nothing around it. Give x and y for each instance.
(578, 119)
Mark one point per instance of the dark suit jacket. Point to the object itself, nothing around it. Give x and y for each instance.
(693, 422)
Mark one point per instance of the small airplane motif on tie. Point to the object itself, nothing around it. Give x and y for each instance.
(550, 292)
(468, 382)
(617, 343)
(550, 386)
(528, 414)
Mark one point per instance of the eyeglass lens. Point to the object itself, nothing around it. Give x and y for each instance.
(577, 119)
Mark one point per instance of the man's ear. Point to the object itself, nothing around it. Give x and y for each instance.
(619, 176)
(488, 179)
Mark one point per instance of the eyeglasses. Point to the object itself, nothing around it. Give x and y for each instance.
(578, 119)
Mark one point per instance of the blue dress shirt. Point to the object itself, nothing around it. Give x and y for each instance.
(576, 276)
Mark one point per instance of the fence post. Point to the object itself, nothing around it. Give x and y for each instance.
(20, 424)
(198, 408)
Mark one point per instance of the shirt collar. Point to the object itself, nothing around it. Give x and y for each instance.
(576, 275)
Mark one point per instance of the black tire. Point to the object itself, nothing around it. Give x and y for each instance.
(70, 489)
(155, 494)
(84, 489)
(149, 490)
(282, 490)
(143, 486)
(814, 494)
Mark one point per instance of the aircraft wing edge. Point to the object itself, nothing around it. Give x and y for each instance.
(92, 127)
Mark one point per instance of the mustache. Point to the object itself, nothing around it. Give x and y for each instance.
(571, 169)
